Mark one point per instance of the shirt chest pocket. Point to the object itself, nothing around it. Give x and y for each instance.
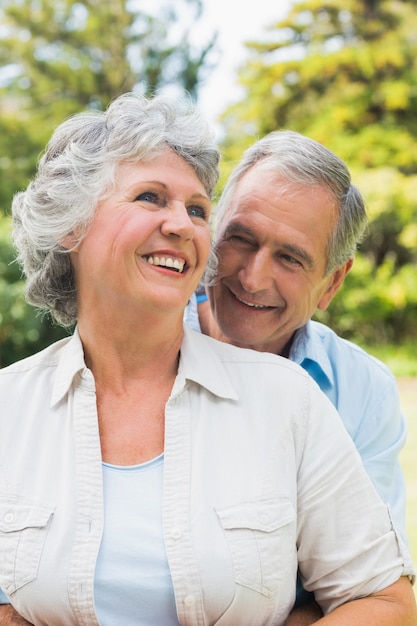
(23, 529)
(262, 540)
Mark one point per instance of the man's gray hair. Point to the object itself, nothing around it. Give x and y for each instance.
(302, 160)
(78, 169)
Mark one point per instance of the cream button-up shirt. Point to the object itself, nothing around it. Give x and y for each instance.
(259, 476)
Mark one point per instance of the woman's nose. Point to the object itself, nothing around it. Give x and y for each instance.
(177, 222)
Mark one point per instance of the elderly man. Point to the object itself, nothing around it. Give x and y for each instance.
(289, 221)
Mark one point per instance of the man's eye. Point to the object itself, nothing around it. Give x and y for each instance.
(238, 240)
(291, 260)
(148, 196)
(198, 211)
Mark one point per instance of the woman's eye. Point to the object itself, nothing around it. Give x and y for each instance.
(148, 196)
(198, 211)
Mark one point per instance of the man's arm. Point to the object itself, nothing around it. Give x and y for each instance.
(10, 617)
(304, 615)
(393, 606)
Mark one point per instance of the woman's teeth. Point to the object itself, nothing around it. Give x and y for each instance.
(175, 264)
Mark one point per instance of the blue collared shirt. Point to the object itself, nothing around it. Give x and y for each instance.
(365, 393)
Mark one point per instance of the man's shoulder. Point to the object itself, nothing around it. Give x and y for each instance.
(230, 354)
(345, 353)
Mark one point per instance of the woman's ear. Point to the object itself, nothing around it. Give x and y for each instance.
(70, 242)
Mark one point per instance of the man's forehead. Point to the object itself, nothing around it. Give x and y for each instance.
(261, 188)
(262, 173)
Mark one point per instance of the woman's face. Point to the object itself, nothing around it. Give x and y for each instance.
(148, 243)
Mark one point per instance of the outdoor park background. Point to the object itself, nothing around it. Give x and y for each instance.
(408, 394)
(344, 76)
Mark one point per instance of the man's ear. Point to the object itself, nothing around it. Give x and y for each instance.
(335, 282)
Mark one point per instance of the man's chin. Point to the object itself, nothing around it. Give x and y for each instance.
(241, 338)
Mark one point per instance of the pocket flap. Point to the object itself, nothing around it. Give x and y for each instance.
(18, 513)
(263, 515)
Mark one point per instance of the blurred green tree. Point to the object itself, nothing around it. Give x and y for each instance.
(22, 330)
(345, 74)
(58, 57)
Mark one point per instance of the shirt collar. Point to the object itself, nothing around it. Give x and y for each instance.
(202, 363)
(199, 362)
(71, 364)
(307, 350)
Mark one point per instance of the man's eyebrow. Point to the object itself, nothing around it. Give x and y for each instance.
(236, 227)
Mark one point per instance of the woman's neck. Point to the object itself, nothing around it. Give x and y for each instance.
(119, 353)
(134, 371)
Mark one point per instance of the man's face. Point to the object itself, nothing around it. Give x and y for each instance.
(272, 247)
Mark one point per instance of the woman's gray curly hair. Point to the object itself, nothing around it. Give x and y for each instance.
(77, 170)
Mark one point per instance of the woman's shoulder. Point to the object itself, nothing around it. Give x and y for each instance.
(48, 356)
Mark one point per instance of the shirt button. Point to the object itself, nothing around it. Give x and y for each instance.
(8, 518)
(189, 600)
(176, 533)
(264, 519)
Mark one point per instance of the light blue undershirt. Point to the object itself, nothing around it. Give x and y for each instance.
(133, 584)
(191, 314)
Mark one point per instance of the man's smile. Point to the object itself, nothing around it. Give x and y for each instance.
(252, 305)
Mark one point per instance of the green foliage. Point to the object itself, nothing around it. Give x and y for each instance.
(58, 57)
(336, 73)
(22, 330)
(346, 75)
(378, 303)
(375, 306)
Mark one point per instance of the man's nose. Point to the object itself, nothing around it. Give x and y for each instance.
(256, 273)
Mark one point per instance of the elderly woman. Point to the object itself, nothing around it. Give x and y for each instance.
(150, 475)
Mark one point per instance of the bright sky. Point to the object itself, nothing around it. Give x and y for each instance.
(236, 22)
